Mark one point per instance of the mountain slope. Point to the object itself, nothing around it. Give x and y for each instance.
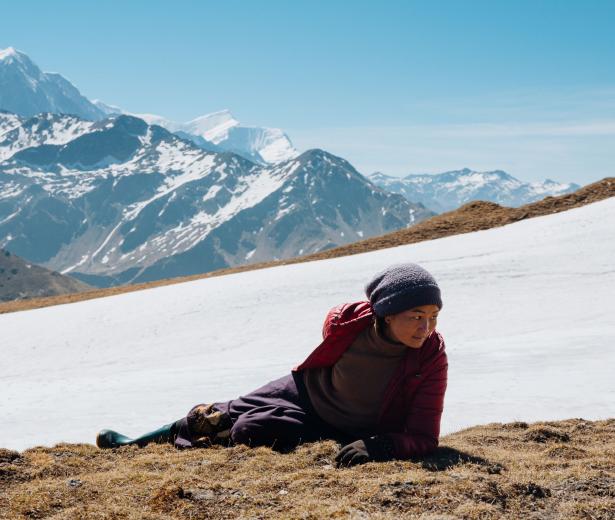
(27, 91)
(314, 202)
(449, 190)
(21, 280)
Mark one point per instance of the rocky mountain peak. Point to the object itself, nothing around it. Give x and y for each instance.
(14, 62)
(317, 156)
(27, 91)
(12, 55)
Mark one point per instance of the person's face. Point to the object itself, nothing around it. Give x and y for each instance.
(412, 327)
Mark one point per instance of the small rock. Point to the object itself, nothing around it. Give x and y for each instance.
(201, 495)
(494, 469)
(283, 492)
(532, 490)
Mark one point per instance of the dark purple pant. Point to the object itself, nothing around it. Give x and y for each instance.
(278, 415)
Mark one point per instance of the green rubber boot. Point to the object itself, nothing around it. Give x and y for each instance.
(110, 439)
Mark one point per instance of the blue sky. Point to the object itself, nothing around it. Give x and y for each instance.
(396, 86)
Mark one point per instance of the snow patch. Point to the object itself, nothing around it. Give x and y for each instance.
(212, 192)
(83, 260)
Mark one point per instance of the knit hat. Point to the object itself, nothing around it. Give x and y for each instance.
(402, 287)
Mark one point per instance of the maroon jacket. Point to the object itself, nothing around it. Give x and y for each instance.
(413, 402)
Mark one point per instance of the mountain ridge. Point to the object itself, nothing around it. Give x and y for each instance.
(449, 190)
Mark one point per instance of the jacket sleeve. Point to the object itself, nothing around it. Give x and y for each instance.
(347, 314)
(330, 319)
(422, 426)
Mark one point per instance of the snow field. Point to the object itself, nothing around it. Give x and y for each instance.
(527, 319)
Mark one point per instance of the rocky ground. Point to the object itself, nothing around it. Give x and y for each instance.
(474, 216)
(550, 470)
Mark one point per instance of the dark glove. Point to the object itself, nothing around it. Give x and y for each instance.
(378, 448)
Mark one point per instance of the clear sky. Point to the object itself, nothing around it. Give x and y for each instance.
(396, 86)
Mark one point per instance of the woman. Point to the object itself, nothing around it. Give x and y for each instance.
(375, 384)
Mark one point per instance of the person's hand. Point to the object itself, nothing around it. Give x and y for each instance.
(354, 453)
(378, 448)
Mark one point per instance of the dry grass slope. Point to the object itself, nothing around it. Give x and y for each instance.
(551, 470)
(474, 216)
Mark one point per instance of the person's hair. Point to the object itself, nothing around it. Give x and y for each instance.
(382, 329)
(380, 324)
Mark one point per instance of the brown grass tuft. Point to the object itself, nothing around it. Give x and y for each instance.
(545, 434)
(484, 472)
(565, 452)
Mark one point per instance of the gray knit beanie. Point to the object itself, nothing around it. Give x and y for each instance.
(402, 287)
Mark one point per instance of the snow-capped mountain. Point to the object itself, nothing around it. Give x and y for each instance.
(119, 200)
(27, 91)
(107, 109)
(447, 191)
(260, 145)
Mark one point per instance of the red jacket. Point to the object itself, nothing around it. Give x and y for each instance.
(413, 402)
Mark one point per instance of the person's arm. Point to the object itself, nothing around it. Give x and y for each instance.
(422, 428)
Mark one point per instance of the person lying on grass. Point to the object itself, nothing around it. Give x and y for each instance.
(375, 384)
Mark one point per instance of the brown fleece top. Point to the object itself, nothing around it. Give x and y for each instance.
(348, 394)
